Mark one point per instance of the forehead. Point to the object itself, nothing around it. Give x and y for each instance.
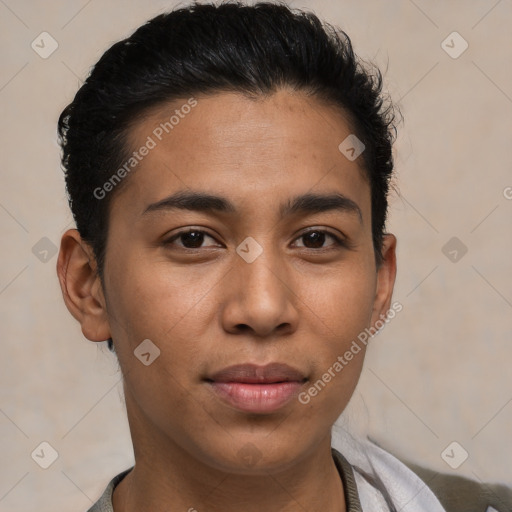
(250, 149)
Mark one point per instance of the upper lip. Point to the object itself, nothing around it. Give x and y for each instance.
(256, 374)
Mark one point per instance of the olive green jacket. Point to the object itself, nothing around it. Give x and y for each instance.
(459, 494)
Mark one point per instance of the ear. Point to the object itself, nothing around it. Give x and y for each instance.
(386, 274)
(81, 286)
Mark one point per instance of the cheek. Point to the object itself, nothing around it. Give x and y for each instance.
(156, 303)
(338, 311)
(342, 300)
(153, 301)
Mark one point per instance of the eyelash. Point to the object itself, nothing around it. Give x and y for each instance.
(338, 242)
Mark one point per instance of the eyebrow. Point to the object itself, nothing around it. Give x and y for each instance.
(304, 204)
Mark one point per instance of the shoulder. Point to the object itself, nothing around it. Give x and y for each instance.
(414, 487)
(104, 503)
(461, 494)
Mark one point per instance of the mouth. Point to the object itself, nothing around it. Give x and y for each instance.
(257, 389)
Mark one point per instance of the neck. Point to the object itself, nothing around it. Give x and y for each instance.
(167, 477)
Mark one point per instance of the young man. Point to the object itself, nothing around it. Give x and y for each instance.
(228, 168)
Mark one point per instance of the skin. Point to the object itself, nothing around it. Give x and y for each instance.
(300, 302)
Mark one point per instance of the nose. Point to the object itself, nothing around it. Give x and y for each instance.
(260, 298)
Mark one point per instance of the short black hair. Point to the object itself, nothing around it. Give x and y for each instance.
(206, 49)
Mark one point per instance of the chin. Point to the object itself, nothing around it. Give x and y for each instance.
(254, 455)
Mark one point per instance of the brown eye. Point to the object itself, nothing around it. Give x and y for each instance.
(315, 239)
(191, 239)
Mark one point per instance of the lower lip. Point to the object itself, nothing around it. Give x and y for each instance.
(257, 398)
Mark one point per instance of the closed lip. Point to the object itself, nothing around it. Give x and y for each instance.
(250, 373)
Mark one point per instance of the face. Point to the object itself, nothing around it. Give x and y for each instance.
(252, 275)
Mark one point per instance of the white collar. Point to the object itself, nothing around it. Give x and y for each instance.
(384, 483)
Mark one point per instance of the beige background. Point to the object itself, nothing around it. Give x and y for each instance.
(439, 372)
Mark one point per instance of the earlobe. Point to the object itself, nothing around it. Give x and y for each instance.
(81, 286)
(386, 275)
